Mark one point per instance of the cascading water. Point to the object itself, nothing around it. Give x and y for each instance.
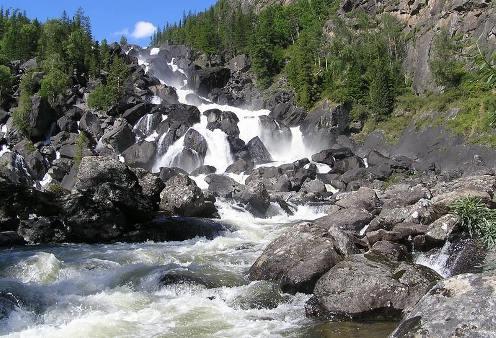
(116, 290)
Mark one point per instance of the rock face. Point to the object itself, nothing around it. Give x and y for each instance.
(182, 196)
(365, 287)
(299, 257)
(461, 306)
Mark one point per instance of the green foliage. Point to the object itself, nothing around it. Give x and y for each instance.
(381, 91)
(123, 40)
(55, 81)
(106, 95)
(5, 81)
(20, 115)
(447, 68)
(81, 144)
(477, 219)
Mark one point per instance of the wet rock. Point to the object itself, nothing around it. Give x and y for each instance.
(223, 186)
(224, 120)
(182, 197)
(182, 114)
(35, 163)
(275, 133)
(325, 122)
(301, 255)
(259, 295)
(195, 141)
(461, 306)
(187, 159)
(255, 198)
(347, 164)
(313, 186)
(13, 170)
(65, 123)
(240, 63)
(151, 184)
(140, 155)
(204, 80)
(133, 114)
(369, 287)
(147, 124)
(330, 155)
(258, 152)
(41, 229)
(288, 114)
(165, 228)
(165, 93)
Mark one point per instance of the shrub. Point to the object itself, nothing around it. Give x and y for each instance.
(20, 115)
(477, 219)
(81, 144)
(100, 98)
(447, 68)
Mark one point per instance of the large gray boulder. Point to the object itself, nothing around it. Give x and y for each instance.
(461, 306)
(120, 136)
(182, 197)
(140, 155)
(258, 152)
(301, 255)
(369, 287)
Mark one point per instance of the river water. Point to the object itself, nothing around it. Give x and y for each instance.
(119, 290)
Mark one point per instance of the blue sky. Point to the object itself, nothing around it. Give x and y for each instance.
(111, 18)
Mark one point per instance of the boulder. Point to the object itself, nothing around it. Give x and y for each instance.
(90, 123)
(120, 136)
(461, 306)
(147, 124)
(133, 114)
(351, 219)
(140, 155)
(325, 122)
(301, 255)
(224, 120)
(364, 198)
(182, 114)
(257, 151)
(255, 198)
(441, 229)
(369, 288)
(288, 114)
(203, 81)
(151, 184)
(313, 186)
(223, 186)
(195, 141)
(165, 93)
(10, 239)
(65, 123)
(330, 155)
(41, 116)
(182, 197)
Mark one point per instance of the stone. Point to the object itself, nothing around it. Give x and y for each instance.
(182, 197)
(258, 152)
(461, 306)
(365, 287)
(140, 155)
(301, 255)
(346, 219)
(363, 198)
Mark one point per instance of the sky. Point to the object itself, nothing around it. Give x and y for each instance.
(111, 19)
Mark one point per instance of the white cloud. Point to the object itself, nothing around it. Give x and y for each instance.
(143, 29)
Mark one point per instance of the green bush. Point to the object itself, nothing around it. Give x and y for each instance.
(100, 98)
(445, 63)
(20, 115)
(477, 219)
(81, 144)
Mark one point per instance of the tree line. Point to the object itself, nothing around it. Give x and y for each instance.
(361, 64)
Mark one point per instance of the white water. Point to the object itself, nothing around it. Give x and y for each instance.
(437, 261)
(114, 290)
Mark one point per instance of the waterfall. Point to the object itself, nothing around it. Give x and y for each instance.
(437, 260)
